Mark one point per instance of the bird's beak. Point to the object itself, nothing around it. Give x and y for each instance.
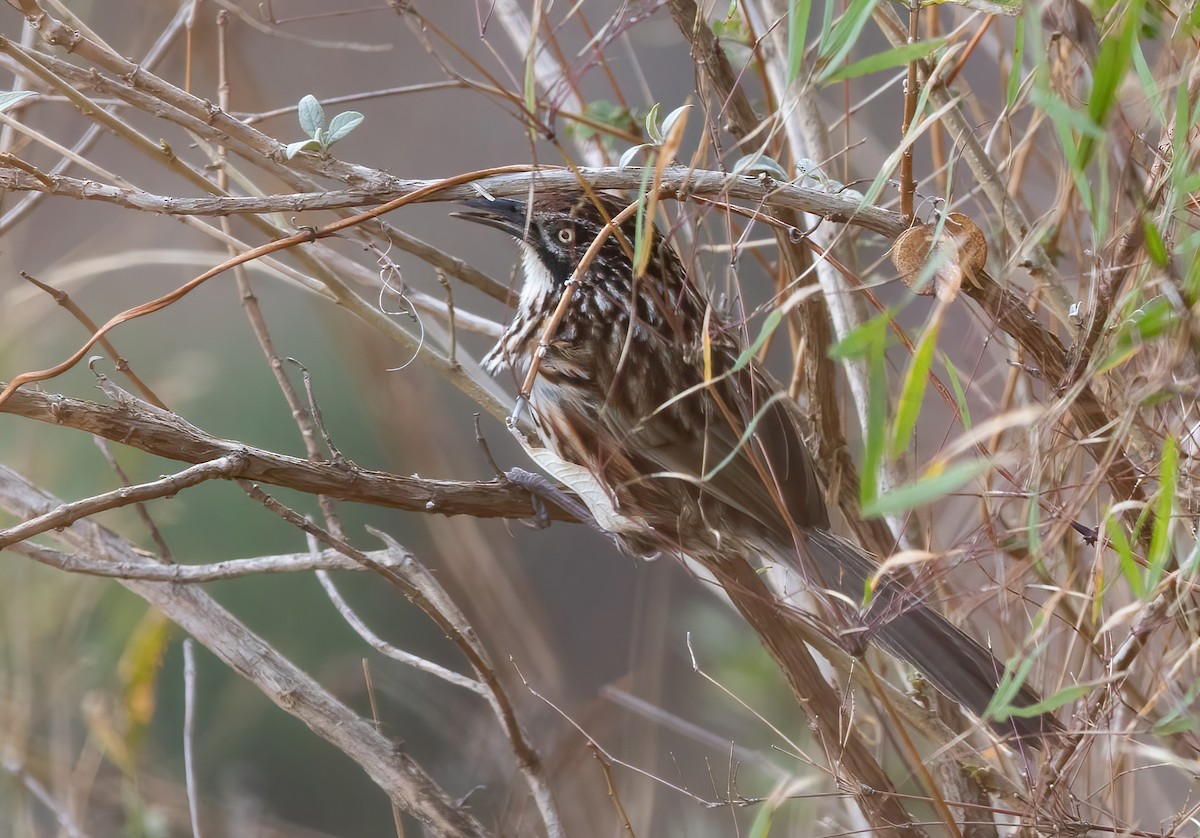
(504, 214)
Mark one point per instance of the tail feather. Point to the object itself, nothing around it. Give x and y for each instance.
(950, 659)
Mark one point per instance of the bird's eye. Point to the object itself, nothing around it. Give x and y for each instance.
(566, 235)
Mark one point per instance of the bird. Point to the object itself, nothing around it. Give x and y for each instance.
(685, 445)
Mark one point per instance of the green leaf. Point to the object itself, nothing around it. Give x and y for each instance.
(1149, 84)
(1066, 695)
(1010, 8)
(1179, 718)
(1189, 183)
(641, 235)
(1156, 248)
(877, 405)
(672, 118)
(960, 396)
(1111, 64)
(1122, 353)
(797, 33)
(631, 153)
(1018, 59)
(770, 324)
(295, 148)
(1063, 115)
(1033, 528)
(923, 492)
(1159, 553)
(732, 28)
(652, 130)
(844, 33)
(1156, 398)
(1191, 282)
(885, 60)
(1190, 244)
(1129, 566)
(1173, 725)
(744, 440)
(1016, 673)
(826, 25)
(870, 341)
(1180, 144)
(341, 125)
(311, 116)
(605, 113)
(753, 164)
(760, 827)
(10, 97)
(530, 88)
(856, 344)
(1103, 219)
(912, 391)
(1151, 319)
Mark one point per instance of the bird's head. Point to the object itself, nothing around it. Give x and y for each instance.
(558, 228)
(555, 233)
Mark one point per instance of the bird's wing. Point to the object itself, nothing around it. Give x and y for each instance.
(732, 436)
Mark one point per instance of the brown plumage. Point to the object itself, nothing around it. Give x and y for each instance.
(702, 465)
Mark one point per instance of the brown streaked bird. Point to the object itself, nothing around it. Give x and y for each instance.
(687, 464)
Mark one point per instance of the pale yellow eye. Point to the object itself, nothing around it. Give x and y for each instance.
(566, 235)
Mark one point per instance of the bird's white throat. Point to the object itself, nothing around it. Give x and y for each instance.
(539, 283)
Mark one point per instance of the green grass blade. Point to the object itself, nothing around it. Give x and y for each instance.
(885, 60)
(797, 33)
(912, 392)
(1160, 537)
(1065, 696)
(923, 492)
(844, 33)
(1129, 566)
(1014, 72)
(770, 324)
(1016, 673)
(960, 396)
(1116, 52)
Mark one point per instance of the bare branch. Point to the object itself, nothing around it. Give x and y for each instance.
(255, 660)
(144, 427)
(184, 574)
(189, 706)
(384, 648)
(759, 190)
(223, 467)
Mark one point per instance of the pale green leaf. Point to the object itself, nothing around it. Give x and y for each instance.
(885, 60)
(341, 125)
(311, 115)
(10, 97)
(923, 492)
(295, 148)
(912, 392)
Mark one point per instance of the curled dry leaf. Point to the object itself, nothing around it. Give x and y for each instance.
(938, 269)
(909, 253)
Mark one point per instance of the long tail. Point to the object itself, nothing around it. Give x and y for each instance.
(950, 658)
